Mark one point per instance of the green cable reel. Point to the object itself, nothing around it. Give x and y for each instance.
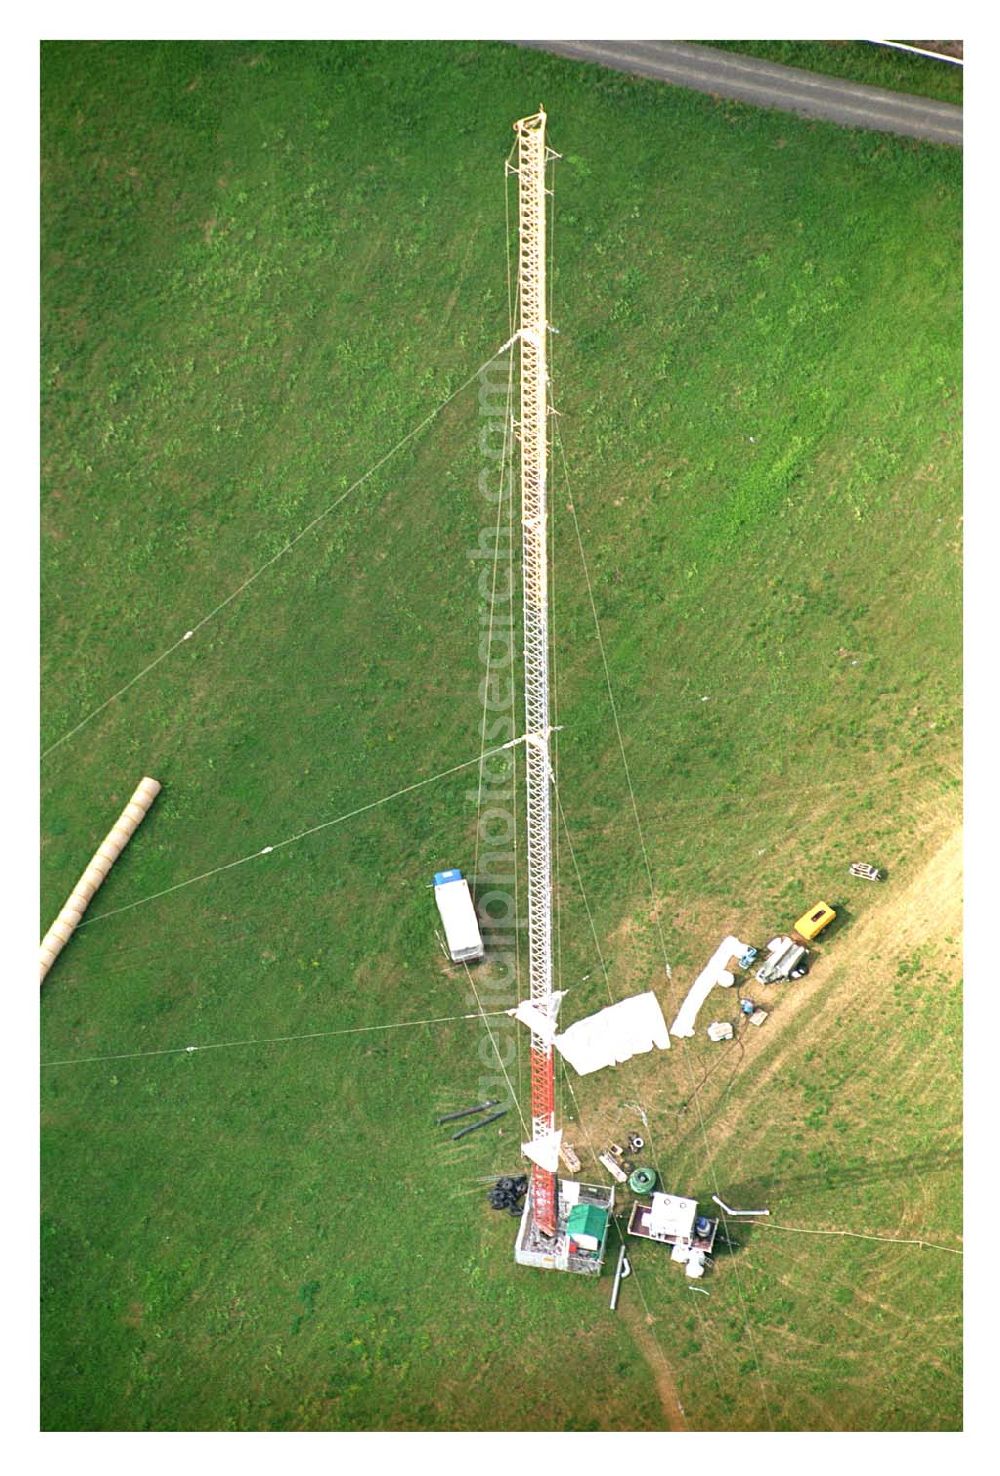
(642, 1180)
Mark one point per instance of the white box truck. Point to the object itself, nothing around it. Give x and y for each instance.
(458, 916)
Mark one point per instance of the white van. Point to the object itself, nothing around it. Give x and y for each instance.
(458, 917)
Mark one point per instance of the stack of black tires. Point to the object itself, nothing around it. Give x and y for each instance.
(508, 1194)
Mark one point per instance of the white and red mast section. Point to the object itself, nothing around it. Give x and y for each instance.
(532, 156)
(565, 1224)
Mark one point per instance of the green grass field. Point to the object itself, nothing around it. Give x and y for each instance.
(860, 61)
(263, 264)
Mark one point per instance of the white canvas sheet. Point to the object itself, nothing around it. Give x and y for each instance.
(631, 1027)
(704, 984)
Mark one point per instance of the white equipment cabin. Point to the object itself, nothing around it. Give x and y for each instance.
(674, 1220)
(458, 917)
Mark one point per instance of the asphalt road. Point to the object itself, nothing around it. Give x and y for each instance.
(769, 85)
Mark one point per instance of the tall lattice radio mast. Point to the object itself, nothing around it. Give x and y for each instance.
(532, 157)
(564, 1224)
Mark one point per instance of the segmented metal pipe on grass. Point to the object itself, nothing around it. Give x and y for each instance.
(466, 1111)
(483, 1122)
(104, 858)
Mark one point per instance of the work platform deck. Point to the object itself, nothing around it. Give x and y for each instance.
(552, 1253)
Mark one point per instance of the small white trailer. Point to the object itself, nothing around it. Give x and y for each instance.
(458, 917)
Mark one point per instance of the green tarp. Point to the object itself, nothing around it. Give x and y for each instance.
(587, 1225)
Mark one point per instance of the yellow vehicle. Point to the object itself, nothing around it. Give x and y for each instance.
(812, 923)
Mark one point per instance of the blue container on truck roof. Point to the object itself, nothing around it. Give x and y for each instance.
(440, 877)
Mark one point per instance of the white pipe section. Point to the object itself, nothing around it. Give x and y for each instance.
(622, 1270)
(104, 858)
(729, 1211)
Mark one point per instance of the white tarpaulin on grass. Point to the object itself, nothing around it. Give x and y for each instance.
(629, 1028)
(714, 972)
